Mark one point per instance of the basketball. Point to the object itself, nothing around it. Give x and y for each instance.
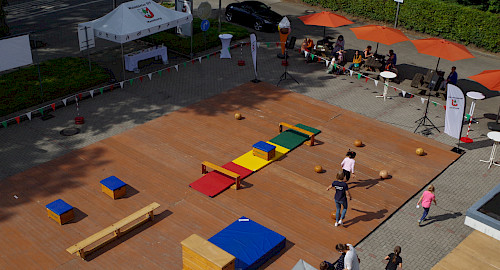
(237, 116)
(420, 151)
(384, 174)
(358, 143)
(318, 168)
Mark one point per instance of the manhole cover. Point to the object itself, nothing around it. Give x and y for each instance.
(69, 131)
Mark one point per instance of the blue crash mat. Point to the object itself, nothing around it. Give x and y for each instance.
(251, 243)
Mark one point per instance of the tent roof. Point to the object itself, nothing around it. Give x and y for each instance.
(136, 19)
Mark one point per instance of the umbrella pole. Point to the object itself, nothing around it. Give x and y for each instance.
(439, 58)
(324, 32)
(123, 63)
(376, 50)
(498, 114)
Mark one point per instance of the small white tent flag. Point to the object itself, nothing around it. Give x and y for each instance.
(135, 19)
(455, 107)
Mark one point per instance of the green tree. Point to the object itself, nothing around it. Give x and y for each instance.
(4, 29)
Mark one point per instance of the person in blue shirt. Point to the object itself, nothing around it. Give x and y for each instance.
(341, 190)
(392, 57)
(452, 78)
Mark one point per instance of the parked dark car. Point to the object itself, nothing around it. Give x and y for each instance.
(254, 14)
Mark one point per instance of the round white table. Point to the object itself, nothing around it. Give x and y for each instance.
(474, 96)
(495, 136)
(225, 39)
(386, 75)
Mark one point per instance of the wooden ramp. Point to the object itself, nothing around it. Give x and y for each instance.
(477, 251)
(159, 159)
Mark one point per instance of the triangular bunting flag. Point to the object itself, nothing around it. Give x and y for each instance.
(268, 44)
(28, 115)
(208, 56)
(359, 76)
(4, 124)
(18, 119)
(176, 67)
(327, 63)
(121, 84)
(100, 90)
(184, 64)
(41, 110)
(395, 89)
(131, 81)
(312, 56)
(91, 93)
(350, 72)
(111, 87)
(228, 49)
(140, 78)
(422, 100)
(366, 79)
(150, 75)
(192, 61)
(334, 65)
(64, 101)
(53, 105)
(444, 106)
(199, 59)
(376, 82)
(80, 96)
(435, 104)
(277, 44)
(385, 84)
(404, 93)
(343, 69)
(411, 96)
(306, 53)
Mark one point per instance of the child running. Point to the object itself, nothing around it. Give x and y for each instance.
(348, 165)
(394, 260)
(426, 199)
(341, 190)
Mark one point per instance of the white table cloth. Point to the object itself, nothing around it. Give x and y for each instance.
(132, 59)
(225, 39)
(386, 75)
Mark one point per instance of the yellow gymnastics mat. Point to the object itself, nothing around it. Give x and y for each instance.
(251, 162)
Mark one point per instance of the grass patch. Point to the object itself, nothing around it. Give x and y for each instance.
(60, 77)
(211, 36)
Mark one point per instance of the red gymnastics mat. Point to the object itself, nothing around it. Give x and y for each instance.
(214, 182)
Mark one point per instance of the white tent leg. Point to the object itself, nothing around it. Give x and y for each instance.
(123, 63)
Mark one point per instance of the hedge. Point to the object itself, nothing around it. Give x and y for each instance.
(446, 20)
(20, 89)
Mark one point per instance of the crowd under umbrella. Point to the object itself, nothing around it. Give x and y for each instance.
(379, 34)
(325, 19)
(442, 48)
(491, 80)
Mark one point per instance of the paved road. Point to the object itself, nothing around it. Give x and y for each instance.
(462, 184)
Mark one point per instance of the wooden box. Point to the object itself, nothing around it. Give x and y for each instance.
(60, 211)
(114, 187)
(199, 254)
(264, 150)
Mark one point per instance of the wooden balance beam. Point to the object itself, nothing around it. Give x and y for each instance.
(115, 229)
(227, 172)
(301, 130)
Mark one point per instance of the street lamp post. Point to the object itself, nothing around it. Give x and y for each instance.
(397, 12)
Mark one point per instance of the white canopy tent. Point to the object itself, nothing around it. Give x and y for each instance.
(135, 19)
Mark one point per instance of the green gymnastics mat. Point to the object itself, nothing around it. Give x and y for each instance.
(291, 138)
(310, 129)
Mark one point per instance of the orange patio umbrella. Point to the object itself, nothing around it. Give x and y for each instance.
(442, 48)
(379, 34)
(491, 80)
(325, 19)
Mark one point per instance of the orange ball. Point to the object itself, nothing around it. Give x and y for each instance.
(358, 143)
(383, 174)
(318, 168)
(420, 151)
(237, 116)
(332, 215)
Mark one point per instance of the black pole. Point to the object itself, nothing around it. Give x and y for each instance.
(38, 68)
(439, 58)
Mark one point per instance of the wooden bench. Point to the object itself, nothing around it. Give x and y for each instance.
(116, 229)
(301, 130)
(227, 172)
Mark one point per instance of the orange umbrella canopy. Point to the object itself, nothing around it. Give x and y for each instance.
(325, 18)
(442, 48)
(489, 78)
(379, 34)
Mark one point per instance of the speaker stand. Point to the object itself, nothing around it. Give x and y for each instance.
(286, 74)
(423, 120)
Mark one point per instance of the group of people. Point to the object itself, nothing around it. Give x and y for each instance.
(348, 259)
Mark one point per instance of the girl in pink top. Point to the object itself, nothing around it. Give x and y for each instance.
(348, 164)
(426, 199)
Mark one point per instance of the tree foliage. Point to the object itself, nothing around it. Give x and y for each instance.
(4, 29)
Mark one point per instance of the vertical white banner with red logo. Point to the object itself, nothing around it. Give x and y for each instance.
(253, 46)
(455, 108)
(185, 6)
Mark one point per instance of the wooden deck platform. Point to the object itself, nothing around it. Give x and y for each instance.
(158, 160)
(477, 251)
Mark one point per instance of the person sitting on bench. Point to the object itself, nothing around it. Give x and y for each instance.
(356, 60)
(452, 78)
(339, 45)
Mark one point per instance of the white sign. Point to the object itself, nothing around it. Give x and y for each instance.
(253, 48)
(185, 6)
(399, 1)
(86, 39)
(455, 107)
(15, 52)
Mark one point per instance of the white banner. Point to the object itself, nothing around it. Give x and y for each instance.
(455, 107)
(15, 52)
(86, 38)
(186, 7)
(253, 47)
